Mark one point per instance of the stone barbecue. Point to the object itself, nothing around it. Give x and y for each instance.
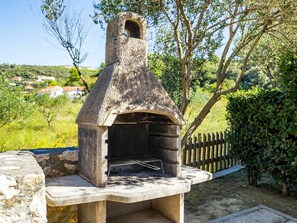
(129, 141)
(128, 121)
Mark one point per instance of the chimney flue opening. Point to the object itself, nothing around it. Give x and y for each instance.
(132, 29)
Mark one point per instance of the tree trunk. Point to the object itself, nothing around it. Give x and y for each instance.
(185, 87)
(198, 120)
(285, 185)
(81, 77)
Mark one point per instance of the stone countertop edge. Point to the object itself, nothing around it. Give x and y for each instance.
(195, 175)
(71, 190)
(127, 195)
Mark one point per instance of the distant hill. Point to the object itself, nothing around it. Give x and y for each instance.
(32, 71)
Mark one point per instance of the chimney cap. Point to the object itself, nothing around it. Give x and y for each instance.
(127, 24)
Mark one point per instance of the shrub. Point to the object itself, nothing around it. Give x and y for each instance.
(263, 135)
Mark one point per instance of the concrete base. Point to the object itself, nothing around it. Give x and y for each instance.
(172, 207)
(94, 212)
(146, 216)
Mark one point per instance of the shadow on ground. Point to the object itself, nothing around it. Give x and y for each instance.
(231, 193)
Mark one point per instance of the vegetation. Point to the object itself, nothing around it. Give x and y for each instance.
(61, 73)
(35, 133)
(265, 121)
(25, 118)
(12, 108)
(215, 120)
(68, 30)
(50, 107)
(263, 131)
(263, 134)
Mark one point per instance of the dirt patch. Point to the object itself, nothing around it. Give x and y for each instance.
(225, 195)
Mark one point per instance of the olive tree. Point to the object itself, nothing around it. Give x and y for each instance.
(50, 107)
(68, 30)
(12, 107)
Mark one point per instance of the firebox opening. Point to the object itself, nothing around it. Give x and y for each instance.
(140, 142)
(132, 29)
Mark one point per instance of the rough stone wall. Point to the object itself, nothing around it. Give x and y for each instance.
(22, 189)
(57, 162)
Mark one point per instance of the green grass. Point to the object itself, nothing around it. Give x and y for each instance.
(36, 134)
(215, 121)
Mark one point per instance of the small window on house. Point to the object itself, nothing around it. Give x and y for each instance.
(132, 29)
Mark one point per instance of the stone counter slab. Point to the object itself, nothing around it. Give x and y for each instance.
(70, 190)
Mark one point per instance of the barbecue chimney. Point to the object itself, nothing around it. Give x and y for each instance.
(128, 114)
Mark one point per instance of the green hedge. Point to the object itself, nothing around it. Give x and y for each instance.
(263, 134)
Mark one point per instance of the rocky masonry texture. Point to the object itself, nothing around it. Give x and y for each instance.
(126, 84)
(57, 162)
(22, 189)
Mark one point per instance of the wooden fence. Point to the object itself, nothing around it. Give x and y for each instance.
(208, 152)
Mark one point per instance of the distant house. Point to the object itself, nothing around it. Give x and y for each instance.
(53, 91)
(73, 92)
(42, 78)
(16, 79)
(28, 87)
(29, 82)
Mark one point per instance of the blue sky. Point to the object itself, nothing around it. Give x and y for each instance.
(23, 39)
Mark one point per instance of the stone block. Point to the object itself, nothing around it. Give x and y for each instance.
(94, 212)
(92, 164)
(22, 189)
(171, 207)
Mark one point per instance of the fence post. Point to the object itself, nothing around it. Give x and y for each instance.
(226, 152)
(203, 151)
(190, 152)
(184, 153)
(199, 150)
(221, 151)
(213, 138)
(195, 152)
(208, 151)
(217, 152)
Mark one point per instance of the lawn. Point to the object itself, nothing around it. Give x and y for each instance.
(215, 121)
(35, 133)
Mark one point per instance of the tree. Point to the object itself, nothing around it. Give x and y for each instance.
(74, 78)
(68, 29)
(12, 107)
(191, 29)
(50, 107)
(165, 68)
